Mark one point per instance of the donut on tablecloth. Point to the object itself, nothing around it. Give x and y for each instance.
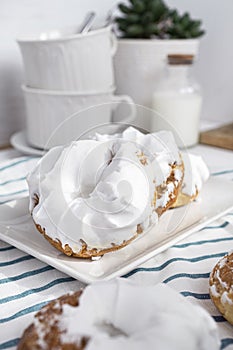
(121, 314)
(221, 286)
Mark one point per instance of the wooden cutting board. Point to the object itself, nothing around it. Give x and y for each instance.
(3, 147)
(220, 137)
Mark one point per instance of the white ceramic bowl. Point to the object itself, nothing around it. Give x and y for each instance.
(61, 60)
(54, 118)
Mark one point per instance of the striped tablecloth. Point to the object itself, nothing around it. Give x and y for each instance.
(26, 283)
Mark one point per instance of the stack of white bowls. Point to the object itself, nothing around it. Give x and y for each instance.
(65, 74)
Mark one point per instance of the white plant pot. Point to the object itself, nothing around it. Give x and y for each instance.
(138, 64)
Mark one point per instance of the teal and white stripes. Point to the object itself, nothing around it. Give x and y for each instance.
(13, 178)
(186, 268)
(26, 284)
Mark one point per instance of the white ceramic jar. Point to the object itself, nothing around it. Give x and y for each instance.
(178, 99)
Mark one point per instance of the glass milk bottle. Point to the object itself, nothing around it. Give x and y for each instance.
(178, 101)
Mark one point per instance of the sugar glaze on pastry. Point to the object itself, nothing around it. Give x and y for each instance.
(160, 145)
(221, 286)
(121, 314)
(196, 174)
(95, 196)
(161, 150)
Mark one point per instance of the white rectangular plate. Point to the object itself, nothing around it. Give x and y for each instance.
(17, 228)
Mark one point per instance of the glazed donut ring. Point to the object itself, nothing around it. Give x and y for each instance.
(92, 197)
(120, 314)
(221, 286)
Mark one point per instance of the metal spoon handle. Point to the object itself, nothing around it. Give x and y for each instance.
(87, 23)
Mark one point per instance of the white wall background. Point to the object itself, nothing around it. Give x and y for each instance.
(214, 68)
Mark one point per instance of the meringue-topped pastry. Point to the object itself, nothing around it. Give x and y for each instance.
(121, 314)
(95, 196)
(221, 286)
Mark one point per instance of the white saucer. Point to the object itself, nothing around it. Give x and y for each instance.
(19, 142)
(19, 139)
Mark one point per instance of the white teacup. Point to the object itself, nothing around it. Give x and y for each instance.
(61, 60)
(55, 118)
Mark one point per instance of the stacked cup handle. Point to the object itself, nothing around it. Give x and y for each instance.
(129, 101)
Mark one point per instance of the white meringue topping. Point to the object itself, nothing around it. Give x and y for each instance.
(121, 314)
(98, 192)
(196, 173)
